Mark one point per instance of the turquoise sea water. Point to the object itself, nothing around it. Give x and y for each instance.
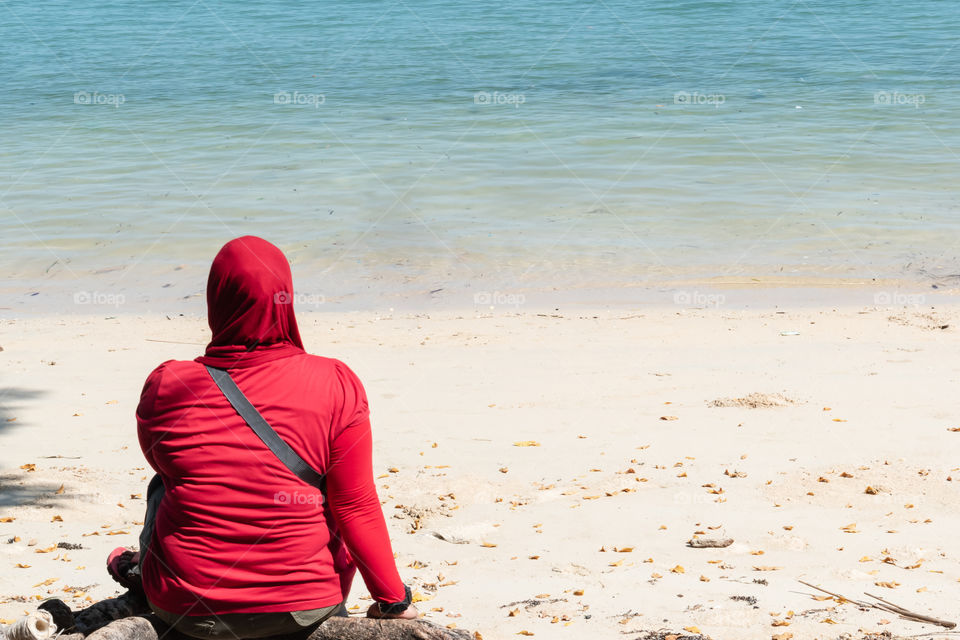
(395, 149)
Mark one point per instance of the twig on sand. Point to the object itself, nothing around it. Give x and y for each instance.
(889, 607)
(837, 595)
(910, 615)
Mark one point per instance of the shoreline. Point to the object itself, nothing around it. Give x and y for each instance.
(733, 292)
(654, 427)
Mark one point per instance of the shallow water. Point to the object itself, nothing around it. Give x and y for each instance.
(396, 149)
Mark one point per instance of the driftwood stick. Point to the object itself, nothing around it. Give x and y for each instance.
(709, 543)
(92, 624)
(97, 615)
(889, 607)
(370, 629)
(144, 627)
(910, 615)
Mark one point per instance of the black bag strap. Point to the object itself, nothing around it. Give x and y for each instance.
(290, 458)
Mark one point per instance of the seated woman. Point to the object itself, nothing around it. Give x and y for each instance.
(241, 547)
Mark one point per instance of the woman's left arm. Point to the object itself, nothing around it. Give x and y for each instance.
(356, 507)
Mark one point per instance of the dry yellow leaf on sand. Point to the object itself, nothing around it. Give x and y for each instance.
(887, 585)
(29, 467)
(59, 491)
(692, 629)
(578, 592)
(56, 519)
(828, 621)
(780, 623)
(489, 545)
(526, 443)
(669, 418)
(786, 635)
(20, 565)
(524, 632)
(766, 568)
(7, 519)
(678, 569)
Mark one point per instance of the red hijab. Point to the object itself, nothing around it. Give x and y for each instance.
(250, 306)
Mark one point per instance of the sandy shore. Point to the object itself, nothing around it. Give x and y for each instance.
(849, 480)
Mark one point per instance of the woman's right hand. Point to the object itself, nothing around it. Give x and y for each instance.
(410, 613)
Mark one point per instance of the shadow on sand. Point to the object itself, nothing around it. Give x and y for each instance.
(18, 488)
(16, 491)
(12, 400)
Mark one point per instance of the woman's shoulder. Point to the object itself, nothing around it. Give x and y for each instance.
(169, 379)
(169, 371)
(330, 367)
(176, 367)
(324, 362)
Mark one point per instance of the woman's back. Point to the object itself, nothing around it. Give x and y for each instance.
(236, 527)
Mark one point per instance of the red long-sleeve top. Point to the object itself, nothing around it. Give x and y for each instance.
(237, 531)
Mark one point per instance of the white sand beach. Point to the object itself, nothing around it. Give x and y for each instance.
(542, 473)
